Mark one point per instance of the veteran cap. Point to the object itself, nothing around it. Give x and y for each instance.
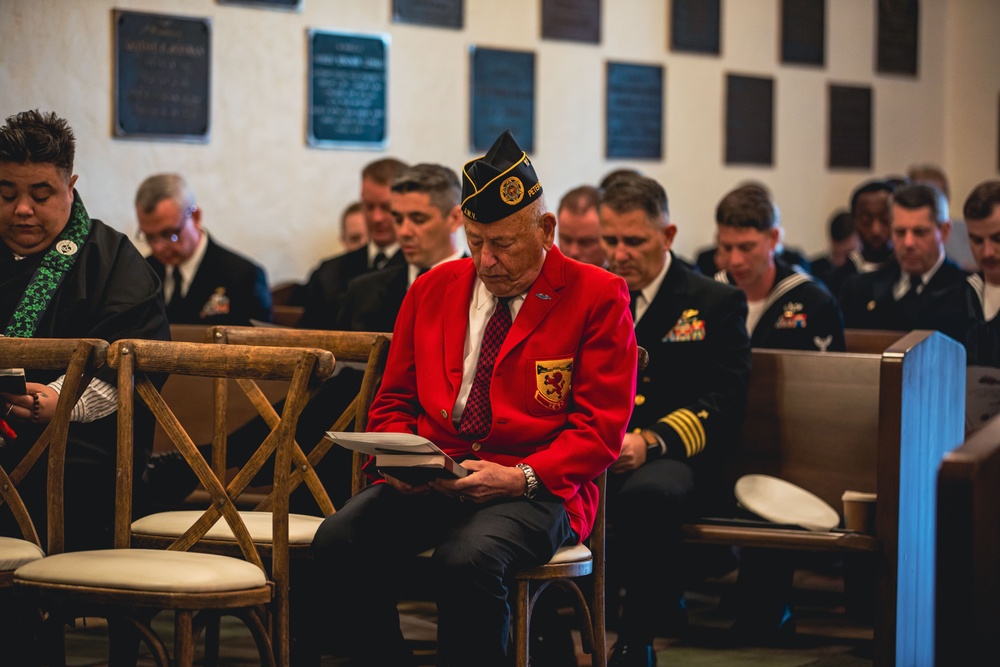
(500, 183)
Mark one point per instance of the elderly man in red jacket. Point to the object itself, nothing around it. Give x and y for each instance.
(518, 362)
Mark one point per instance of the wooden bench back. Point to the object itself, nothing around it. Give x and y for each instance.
(812, 419)
(968, 549)
(870, 341)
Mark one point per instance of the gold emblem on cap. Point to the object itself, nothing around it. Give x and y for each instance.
(512, 190)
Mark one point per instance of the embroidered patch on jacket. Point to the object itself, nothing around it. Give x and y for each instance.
(688, 328)
(792, 317)
(217, 304)
(553, 382)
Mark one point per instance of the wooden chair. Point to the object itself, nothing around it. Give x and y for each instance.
(968, 547)
(130, 585)
(351, 348)
(79, 358)
(563, 571)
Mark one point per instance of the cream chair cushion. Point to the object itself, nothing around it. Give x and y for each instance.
(301, 527)
(145, 570)
(16, 552)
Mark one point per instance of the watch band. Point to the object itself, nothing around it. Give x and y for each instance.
(530, 479)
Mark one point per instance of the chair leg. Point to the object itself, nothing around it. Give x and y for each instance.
(123, 642)
(522, 621)
(183, 639)
(212, 630)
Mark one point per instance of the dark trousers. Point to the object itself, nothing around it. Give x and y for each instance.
(645, 510)
(363, 552)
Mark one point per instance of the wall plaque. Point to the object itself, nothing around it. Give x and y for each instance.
(348, 90)
(441, 13)
(850, 127)
(803, 32)
(162, 71)
(575, 20)
(273, 4)
(503, 97)
(634, 111)
(898, 36)
(749, 120)
(694, 26)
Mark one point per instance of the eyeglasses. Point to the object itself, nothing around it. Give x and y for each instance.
(167, 235)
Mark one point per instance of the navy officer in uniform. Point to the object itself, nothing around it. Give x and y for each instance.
(689, 406)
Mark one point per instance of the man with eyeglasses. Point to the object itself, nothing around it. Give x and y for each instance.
(203, 282)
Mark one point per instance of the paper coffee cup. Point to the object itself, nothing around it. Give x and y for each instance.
(859, 511)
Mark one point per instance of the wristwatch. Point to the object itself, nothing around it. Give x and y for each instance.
(531, 480)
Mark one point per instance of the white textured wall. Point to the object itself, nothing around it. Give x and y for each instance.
(265, 193)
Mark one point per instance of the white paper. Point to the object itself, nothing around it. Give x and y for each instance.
(384, 443)
(982, 395)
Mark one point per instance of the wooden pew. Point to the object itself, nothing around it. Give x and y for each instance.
(870, 341)
(830, 422)
(968, 549)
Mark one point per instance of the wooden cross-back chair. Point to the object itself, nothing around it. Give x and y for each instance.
(361, 349)
(355, 348)
(79, 359)
(130, 585)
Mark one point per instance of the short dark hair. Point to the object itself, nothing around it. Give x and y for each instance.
(637, 193)
(918, 195)
(615, 174)
(748, 206)
(841, 225)
(351, 209)
(383, 171)
(579, 200)
(439, 182)
(868, 187)
(979, 205)
(39, 137)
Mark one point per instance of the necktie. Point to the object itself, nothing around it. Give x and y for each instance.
(909, 303)
(633, 302)
(174, 298)
(380, 260)
(477, 416)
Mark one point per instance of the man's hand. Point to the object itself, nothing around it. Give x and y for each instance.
(633, 453)
(487, 481)
(38, 405)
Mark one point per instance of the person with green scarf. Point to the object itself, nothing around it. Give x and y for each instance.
(66, 275)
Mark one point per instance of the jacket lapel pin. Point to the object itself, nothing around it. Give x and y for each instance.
(544, 297)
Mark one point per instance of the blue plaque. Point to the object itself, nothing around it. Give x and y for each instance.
(634, 111)
(503, 97)
(162, 70)
(348, 90)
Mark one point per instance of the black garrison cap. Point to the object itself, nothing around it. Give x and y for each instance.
(500, 183)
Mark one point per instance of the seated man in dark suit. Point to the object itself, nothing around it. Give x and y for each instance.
(870, 212)
(474, 340)
(203, 282)
(425, 209)
(689, 406)
(788, 308)
(328, 283)
(907, 292)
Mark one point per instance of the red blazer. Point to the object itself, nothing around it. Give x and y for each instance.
(563, 384)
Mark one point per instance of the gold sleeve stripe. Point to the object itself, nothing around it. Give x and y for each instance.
(689, 428)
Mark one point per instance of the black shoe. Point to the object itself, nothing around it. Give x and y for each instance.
(169, 479)
(632, 655)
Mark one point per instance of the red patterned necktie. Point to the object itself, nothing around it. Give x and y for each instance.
(477, 416)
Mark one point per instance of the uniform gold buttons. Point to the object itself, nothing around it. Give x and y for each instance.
(476, 446)
(639, 399)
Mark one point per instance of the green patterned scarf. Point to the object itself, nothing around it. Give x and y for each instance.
(55, 265)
